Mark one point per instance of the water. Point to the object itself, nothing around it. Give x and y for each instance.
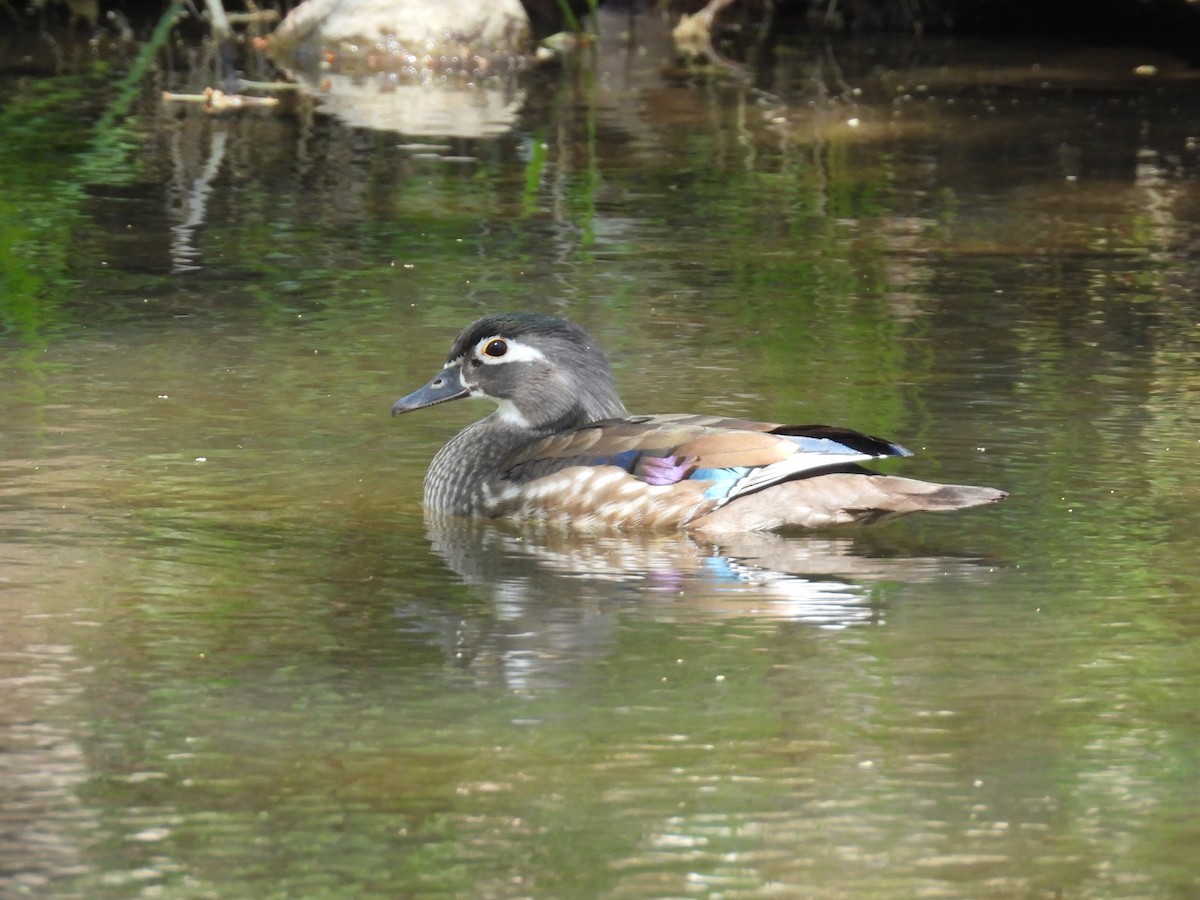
(238, 662)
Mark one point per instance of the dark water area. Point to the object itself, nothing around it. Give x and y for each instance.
(238, 662)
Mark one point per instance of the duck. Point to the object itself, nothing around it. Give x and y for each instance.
(561, 449)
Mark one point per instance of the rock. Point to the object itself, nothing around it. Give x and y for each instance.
(482, 110)
(465, 39)
(420, 67)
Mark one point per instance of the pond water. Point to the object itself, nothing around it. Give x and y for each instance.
(236, 662)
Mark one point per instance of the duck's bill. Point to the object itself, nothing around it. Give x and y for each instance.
(442, 388)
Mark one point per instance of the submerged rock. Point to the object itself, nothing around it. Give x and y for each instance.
(384, 103)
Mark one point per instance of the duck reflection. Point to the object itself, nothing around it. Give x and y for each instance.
(556, 600)
(824, 581)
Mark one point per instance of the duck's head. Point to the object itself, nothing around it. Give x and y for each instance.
(544, 373)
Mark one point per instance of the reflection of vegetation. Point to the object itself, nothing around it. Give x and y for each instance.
(38, 213)
(572, 20)
(40, 209)
(115, 138)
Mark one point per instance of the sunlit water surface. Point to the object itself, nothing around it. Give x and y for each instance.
(236, 662)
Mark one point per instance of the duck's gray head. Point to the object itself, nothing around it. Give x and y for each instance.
(544, 373)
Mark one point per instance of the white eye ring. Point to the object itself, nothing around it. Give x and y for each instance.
(509, 351)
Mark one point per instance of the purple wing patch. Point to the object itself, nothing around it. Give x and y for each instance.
(664, 469)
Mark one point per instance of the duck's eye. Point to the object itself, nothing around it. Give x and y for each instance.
(495, 348)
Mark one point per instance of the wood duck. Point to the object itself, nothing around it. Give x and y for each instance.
(562, 448)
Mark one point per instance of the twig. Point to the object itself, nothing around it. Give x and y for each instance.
(216, 101)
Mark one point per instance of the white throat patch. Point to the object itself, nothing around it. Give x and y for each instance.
(507, 412)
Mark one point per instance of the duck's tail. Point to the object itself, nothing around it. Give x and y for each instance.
(841, 498)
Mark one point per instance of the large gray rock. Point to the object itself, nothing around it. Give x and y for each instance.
(468, 39)
(421, 67)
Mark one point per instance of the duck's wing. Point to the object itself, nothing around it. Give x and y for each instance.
(725, 458)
